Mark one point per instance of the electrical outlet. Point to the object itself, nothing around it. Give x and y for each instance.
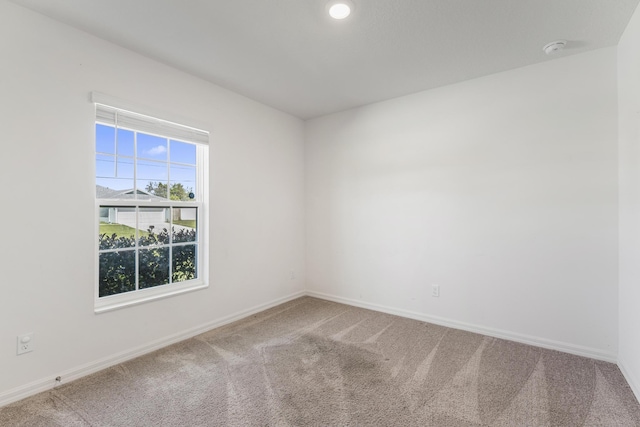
(25, 343)
(435, 290)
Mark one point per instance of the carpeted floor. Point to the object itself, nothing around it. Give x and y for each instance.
(316, 363)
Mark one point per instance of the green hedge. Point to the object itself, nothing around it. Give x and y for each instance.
(118, 269)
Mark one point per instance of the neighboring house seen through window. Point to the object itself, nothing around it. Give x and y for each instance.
(150, 179)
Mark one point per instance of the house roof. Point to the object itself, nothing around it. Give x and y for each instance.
(127, 194)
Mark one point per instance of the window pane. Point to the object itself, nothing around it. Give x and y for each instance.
(117, 227)
(182, 152)
(154, 225)
(105, 139)
(117, 273)
(184, 263)
(152, 179)
(184, 224)
(124, 172)
(125, 143)
(183, 182)
(114, 177)
(151, 242)
(154, 267)
(152, 147)
(105, 172)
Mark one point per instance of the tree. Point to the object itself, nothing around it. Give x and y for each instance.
(177, 191)
(157, 189)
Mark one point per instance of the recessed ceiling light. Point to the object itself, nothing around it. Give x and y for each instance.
(554, 47)
(339, 10)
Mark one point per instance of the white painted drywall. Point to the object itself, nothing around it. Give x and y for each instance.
(502, 190)
(256, 230)
(629, 154)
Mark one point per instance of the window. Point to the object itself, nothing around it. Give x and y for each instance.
(151, 207)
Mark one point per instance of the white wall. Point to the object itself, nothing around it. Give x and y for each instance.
(46, 167)
(629, 154)
(502, 190)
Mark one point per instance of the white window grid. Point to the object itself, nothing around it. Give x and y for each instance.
(110, 302)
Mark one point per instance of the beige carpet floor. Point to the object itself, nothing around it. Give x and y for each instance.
(316, 363)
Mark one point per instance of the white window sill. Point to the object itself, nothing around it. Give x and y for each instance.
(115, 302)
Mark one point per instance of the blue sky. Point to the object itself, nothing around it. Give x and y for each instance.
(157, 159)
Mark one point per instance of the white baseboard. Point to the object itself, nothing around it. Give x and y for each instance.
(95, 366)
(632, 380)
(497, 333)
(89, 368)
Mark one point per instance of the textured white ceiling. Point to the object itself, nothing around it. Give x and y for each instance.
(290, 55)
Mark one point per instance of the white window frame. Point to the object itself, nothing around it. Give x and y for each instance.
(138, 296)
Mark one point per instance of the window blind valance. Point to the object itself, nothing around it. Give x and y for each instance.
(122, 118)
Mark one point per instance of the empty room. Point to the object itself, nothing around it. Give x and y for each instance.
(320, 213)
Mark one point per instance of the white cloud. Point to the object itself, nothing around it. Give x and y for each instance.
(156, 151)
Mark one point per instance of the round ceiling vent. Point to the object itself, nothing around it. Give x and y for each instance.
(554, 47)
